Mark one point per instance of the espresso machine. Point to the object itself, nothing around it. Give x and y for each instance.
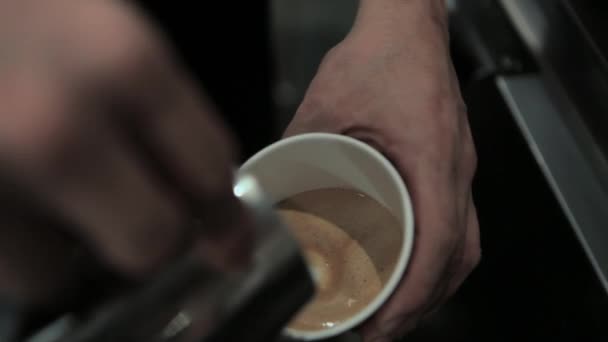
(189, 301)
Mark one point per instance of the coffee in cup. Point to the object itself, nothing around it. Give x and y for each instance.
(351, 243)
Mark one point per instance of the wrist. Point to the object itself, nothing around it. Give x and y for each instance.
(402, 13)
(397, 22)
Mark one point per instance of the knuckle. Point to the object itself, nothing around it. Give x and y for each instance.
(321, 113)
(312, 106)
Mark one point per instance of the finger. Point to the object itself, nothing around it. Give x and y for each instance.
(174, 133)
(131, 219)
(190, 141)
(83, 170)
(199, 155)
(312, 116)
(34, 261)
(182, 138)
(142, 80)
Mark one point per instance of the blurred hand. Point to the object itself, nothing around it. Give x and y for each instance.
(394, 87)
(105, 129)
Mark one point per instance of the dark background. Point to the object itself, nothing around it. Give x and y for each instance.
(226, 46)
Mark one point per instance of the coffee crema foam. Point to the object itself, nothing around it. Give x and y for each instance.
(351, 244)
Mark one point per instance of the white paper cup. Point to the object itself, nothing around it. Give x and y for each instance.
(319, 160)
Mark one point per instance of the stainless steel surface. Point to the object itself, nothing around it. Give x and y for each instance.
(573, 66)
(8, 321)
(571, 83)
(572, 87)
(190, 301)
(571, 176)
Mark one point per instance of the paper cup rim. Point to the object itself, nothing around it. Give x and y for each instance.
(408, 230)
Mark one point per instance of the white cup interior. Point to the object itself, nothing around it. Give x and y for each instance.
(319, 160)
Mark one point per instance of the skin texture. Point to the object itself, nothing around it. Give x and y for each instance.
(80, 79)
(391, 83)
